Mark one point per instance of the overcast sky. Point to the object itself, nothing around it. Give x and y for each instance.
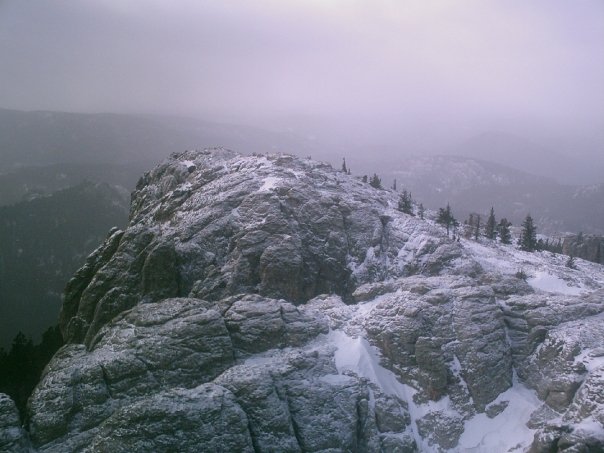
(442, 66)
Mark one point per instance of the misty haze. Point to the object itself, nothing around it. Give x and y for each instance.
(306, 225)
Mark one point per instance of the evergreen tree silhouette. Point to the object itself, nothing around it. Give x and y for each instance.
(21, 367)
(504, 231)
(528, 238)
(405, 204)
(375, 181)
(490, 229)
(445, 218)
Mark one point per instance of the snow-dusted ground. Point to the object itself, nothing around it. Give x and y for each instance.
(546, 271)
(507, 431)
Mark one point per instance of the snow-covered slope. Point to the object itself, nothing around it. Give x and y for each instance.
(270, 303)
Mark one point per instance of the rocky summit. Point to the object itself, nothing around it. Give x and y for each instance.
(269, 303)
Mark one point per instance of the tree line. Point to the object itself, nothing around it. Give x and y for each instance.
(445, 217)
(474, 227)
(22, 365)
(492, 229)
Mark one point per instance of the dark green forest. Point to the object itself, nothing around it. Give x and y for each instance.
(22, 365)
(42, 243)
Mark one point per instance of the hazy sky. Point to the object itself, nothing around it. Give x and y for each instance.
(383, 65)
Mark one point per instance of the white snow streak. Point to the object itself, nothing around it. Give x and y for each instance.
(505, 432)
(552, 284)
(356, 354)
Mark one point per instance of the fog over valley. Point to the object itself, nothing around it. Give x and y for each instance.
(358, 78)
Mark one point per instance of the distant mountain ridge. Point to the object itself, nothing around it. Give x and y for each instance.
(27, 183)
(474, 185)
(38, 147)
(44, 138)
(523, 154)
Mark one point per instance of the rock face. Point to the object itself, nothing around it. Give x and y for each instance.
(12, 437)
(270, 303)
(424, 335)
(214, 224)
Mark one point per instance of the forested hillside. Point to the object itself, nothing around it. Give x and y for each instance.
(42, 242)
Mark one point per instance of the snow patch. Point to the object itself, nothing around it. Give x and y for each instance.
(357, 355)
(269, 183)
(553, 284)
(337, 379)
(592, 359)
(364, 309)
(359, 269)
(505, 432)
(591, 426)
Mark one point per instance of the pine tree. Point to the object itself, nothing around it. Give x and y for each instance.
(375, 181)
(20, 368)
(445, 217)
(455, 225)
(490, 229)
(52, 340)
(21, 373)
(468, 226)
(472, 226)
(364, 179)
(405, 203)
(477, 227)
(344, 168)
(394, 185)
(421, 211)
(528, 237)
(504, 231)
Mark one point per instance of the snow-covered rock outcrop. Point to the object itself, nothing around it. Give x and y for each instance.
(270, 303)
